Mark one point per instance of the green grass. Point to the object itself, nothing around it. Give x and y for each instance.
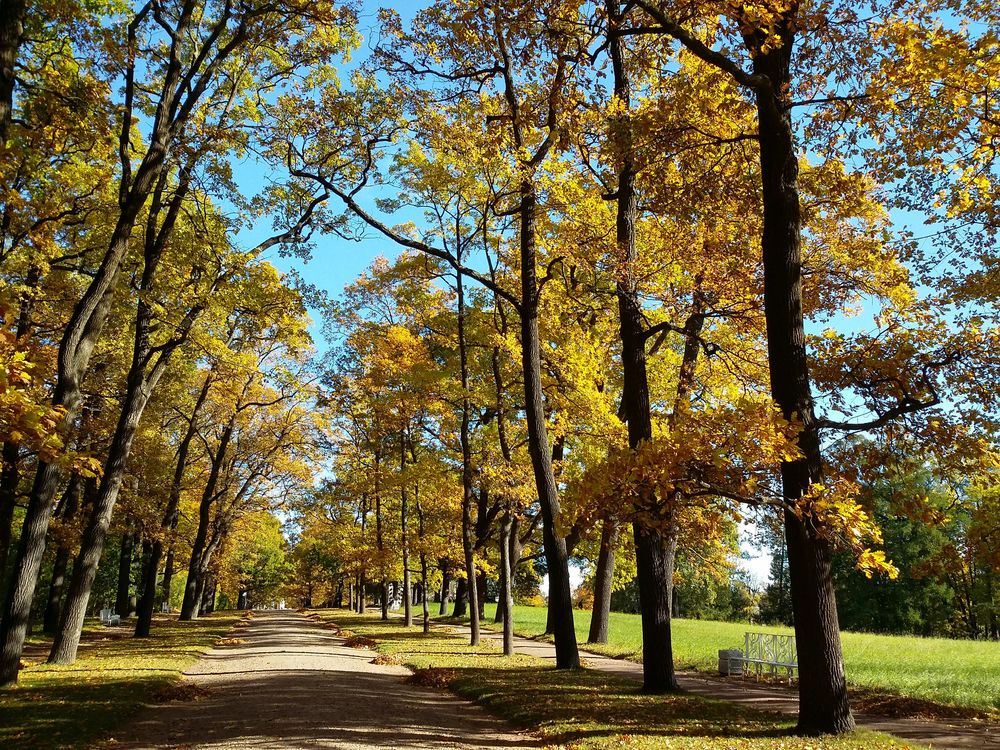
(584, 709)
(952, 672)
(70, 706)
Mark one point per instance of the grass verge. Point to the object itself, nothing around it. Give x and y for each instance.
(935, 675)
(581, 709)
(74, 705)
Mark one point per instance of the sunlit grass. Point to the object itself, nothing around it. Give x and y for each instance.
(953, 672)
(69, 706)
(584, 709)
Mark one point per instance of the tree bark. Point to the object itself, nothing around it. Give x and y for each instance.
(171, 515)
(445, 589)
(404, 501)
(12, 17)
(461, 599)
(189, 607)
(655, 537)
(823, 704)
(69, 505)
(556, 554)
(506, 588)
(10, 476)
(124, 574)
(603, 578)
(468, 495)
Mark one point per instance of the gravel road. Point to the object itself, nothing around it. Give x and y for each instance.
(293, 684)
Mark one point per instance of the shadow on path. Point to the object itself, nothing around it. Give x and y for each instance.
(292, 684)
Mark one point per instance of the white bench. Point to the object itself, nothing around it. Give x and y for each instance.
(108, 617)
(774, 651)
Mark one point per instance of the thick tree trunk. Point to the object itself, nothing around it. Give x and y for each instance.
(67, 639)
(654, 560)
(603, 578)
(66, 511)
(147, 600)
(556, 554)
(10, 476)
(12, 16)
(124, 586)
(461, 599)
(207, 597)
(57, 584)
(823, 704)
(655, 542)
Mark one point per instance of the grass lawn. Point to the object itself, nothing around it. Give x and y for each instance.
(56, 706)
(582, 709)
(952, 672)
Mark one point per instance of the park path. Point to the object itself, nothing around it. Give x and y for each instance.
(291, 683)
(957, 734)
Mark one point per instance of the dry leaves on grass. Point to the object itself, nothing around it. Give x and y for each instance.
(433, 677)
(386, 660)
(182, 691)
(230, 642)
(360, 641)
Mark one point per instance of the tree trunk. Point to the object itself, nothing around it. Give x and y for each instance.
(445, 589)
(189, 607)
(654, 545)
(12, 15)
(124, 574)
(506, 589)
(556, 555)
(168, 574)
(67, 639)
(10, 454)
(603, 578)
(423, 570)
(69, 505)
(461, 599)
(171, 515)
(823, 705)
(208, 596)
(153, 551)
(403, 500)
(9, 478)
(468, 496)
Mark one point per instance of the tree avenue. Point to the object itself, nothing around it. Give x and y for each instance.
(651, 276)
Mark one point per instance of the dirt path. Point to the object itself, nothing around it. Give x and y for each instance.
(292, 684)
(936, 733)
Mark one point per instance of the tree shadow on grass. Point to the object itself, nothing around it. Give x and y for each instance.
(40, 715)
(572, 706)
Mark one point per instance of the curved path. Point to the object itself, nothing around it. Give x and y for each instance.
(293, 684)
(952, 734)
